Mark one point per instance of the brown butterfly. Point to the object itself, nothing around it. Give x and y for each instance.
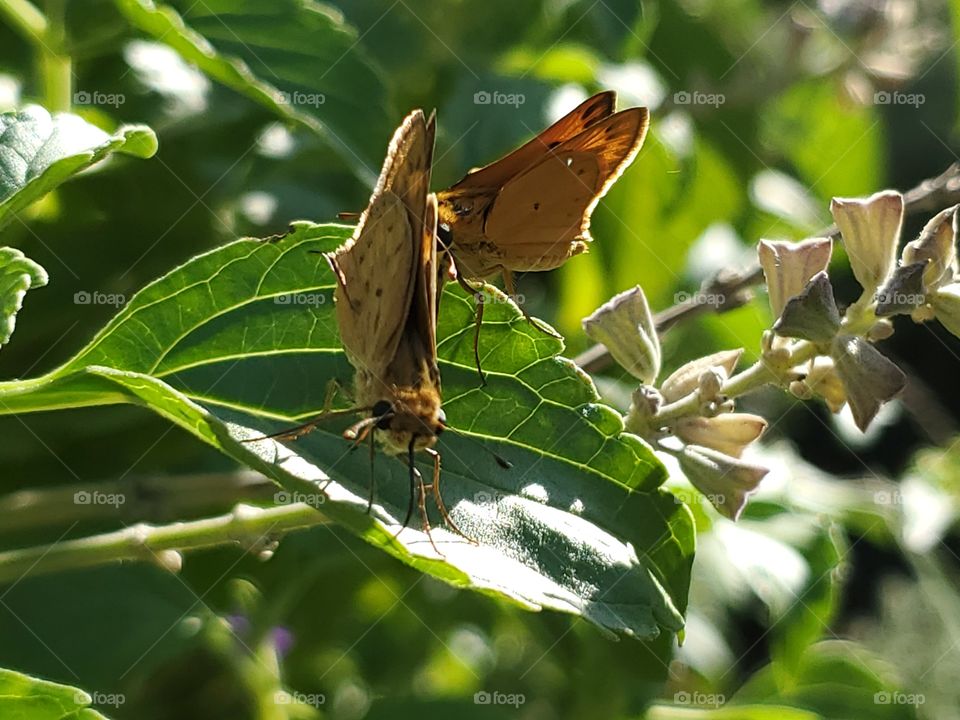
(531, 209)
(386, 304)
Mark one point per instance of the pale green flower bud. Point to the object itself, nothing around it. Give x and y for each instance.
(788, 267)
(729, 433)
(625, 326)
(687, 378)
(725, 481)
(871, 230)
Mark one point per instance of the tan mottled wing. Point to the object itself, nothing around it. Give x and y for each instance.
(550, 204)
(497, 174)
(377, 269)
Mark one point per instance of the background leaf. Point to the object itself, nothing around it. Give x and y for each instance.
(39, 151)
(18, 274)
(25, 698)
(282, 55)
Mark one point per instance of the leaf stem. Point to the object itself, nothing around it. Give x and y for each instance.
(26, 18)
(145, 498)
(245, 525)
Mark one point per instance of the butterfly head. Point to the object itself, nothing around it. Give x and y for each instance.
(412, 414)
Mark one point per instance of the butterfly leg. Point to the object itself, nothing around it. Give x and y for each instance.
(373, 477)
(306, 428)
(478, 299)
(438, 498)
(509, 284)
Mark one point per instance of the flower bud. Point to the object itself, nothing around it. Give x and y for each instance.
(646, 402)
(822, 380)
(625, 326)
(686, 379)
(871, 229)
(710, 383)
(812, 315)
(869, 379)
(729, 433)
(946, 305)
(788, 267)
(725, 481)
(935, 248)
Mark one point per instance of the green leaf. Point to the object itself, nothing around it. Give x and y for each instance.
(740, 712)
(297, 58)
(18, 274)
(39, 151)
(837, 680)
(25, 698)
(242, 341)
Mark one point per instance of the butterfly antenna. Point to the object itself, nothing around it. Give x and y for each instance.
(299, 431)
(500, 460)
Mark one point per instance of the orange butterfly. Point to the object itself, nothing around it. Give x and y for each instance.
(531, 209)
(386, 304)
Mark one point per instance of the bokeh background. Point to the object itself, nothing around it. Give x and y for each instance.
(839, 583)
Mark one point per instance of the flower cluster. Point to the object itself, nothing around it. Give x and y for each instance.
(812, 350)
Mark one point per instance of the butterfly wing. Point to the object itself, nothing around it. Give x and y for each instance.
(542, 216)
(498, 173)
(377, 269)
